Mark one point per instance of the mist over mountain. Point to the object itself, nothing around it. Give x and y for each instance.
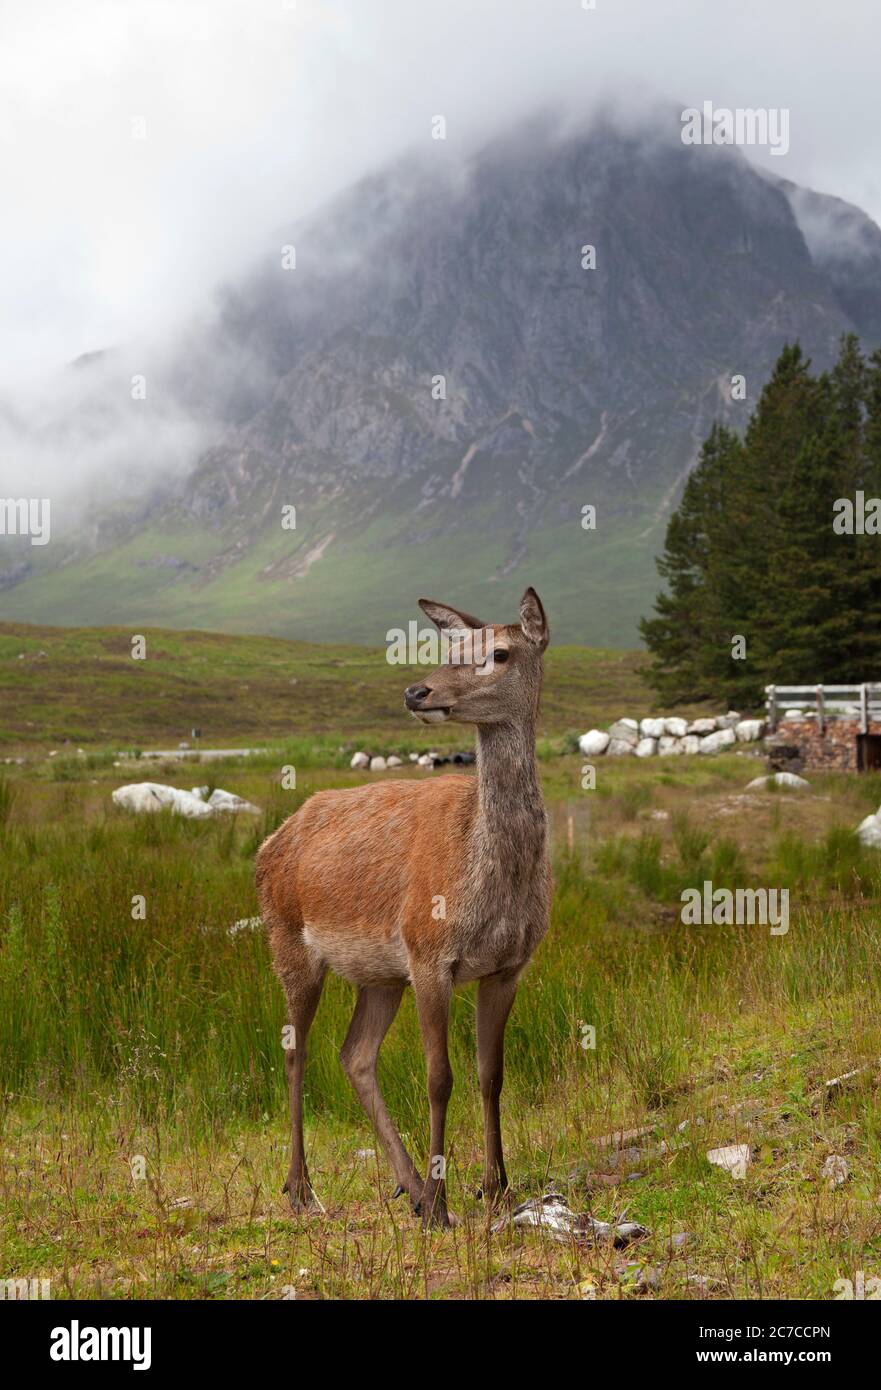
(316, 387)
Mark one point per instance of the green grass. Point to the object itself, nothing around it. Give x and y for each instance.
(158, 1042)
(596, 585)
(83, 685)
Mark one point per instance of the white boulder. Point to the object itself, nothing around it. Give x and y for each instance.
(791, 779)
(651, 728)
(593, 742)
(378, 764)
(625, 730)
(690, 744)
(782, 779)
(153, 796)
(869, 832)
(620, 747)
(359, 761)
(393, 761)
(702, 726)
(646, 747)
(714, 743)
(793, 714)
(676, 727)
(425, 760)
(668, 746)
(749, 730)
(220, 800)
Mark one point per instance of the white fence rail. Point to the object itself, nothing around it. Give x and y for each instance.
(825, 702)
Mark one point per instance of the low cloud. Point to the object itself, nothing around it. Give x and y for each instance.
(156, 151)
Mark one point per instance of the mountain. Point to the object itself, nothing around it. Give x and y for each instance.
(564, 386)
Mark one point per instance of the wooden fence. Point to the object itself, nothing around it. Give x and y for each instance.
(825, 702)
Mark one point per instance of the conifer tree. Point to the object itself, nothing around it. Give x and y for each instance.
(751, 551)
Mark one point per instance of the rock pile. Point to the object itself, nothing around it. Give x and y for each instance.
(363, 762)
(196, 804)
(669, 737)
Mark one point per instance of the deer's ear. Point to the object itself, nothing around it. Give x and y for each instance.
(533, 620)
(447, 618)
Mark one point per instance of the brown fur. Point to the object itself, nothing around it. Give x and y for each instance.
(428, 883)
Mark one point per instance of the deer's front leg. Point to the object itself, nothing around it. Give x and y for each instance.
(495, 995)
(433, 991)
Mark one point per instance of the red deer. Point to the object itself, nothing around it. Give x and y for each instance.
(431, 883)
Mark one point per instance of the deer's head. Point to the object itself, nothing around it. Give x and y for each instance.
(492, 673)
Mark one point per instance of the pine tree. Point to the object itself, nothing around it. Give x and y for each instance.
(751, 551)
(684, 636)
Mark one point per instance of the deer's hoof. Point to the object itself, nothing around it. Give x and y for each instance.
(438, 1222)
(415, 1198)
(301, 1197)
(439, 1219)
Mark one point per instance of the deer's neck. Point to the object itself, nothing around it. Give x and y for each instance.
(511, 814)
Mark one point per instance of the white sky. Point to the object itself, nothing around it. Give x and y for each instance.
(257, 109)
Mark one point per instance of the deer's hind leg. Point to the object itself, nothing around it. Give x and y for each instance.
(302, 976)
(375, 1010)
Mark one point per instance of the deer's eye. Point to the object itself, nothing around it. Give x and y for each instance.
(500, 655)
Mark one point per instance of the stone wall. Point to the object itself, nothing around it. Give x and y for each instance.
(673, 734)
(832, 747)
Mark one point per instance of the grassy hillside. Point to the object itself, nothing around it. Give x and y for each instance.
(596, 585)
(82, 684)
